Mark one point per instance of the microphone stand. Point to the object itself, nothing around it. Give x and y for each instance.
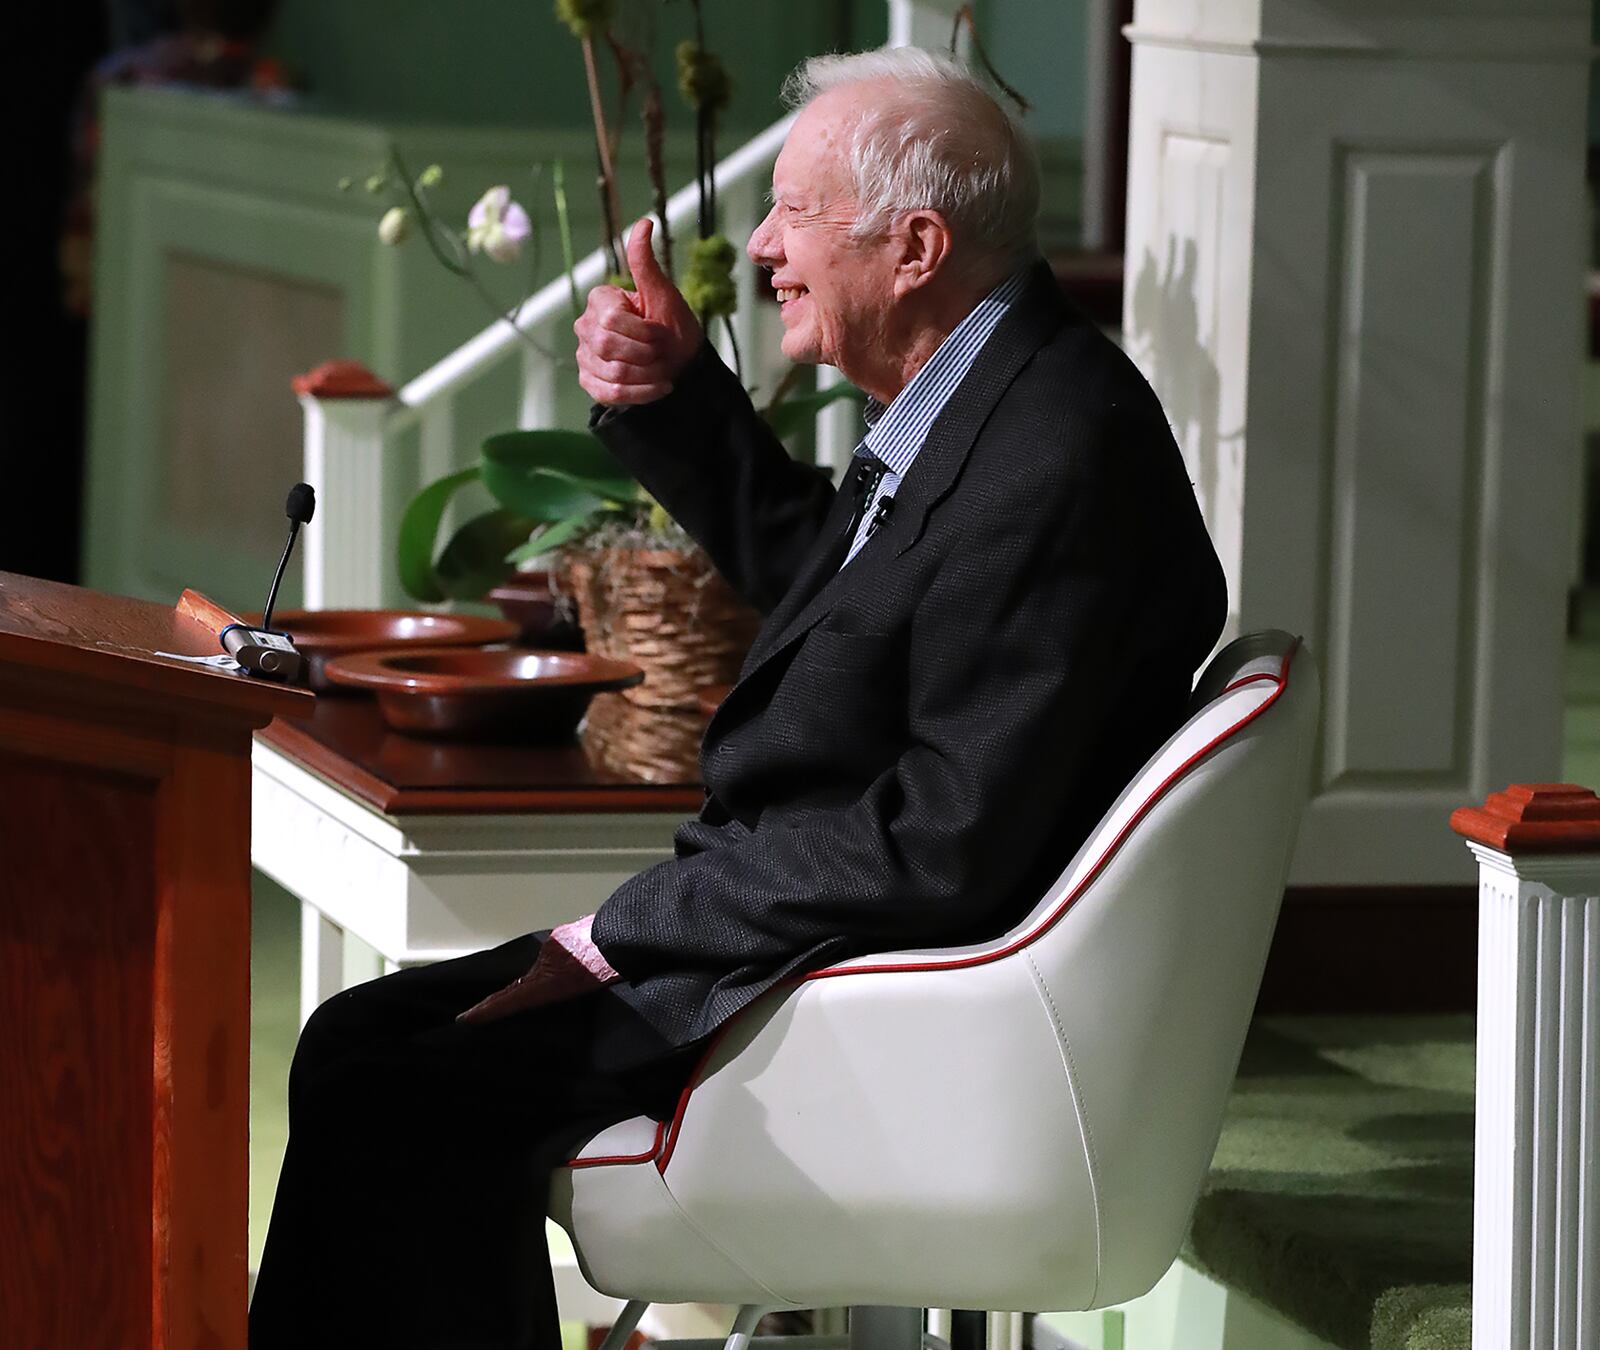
(272, 595)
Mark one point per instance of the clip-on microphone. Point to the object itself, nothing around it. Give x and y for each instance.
(880, 513)
(262, 651)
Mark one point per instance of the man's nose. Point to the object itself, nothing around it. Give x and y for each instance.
(761, 247)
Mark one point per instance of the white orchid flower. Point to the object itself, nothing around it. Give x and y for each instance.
(496, 225)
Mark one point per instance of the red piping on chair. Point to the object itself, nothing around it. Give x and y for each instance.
(623, 1159)
(1256, 678)
(663, 1156)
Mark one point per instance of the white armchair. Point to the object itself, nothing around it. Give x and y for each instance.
(1022, 1125)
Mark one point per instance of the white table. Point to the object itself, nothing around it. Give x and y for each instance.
(420, 888)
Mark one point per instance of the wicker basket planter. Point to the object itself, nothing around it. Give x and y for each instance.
(669, 613)
(659, 745)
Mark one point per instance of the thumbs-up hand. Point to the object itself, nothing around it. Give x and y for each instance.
(632, 345)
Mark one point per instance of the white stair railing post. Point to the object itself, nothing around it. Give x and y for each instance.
(925, 23)
(438, 448)
(536, 408)
(346, 550)
(839, 425)
(746, 206)
(1536, 1171)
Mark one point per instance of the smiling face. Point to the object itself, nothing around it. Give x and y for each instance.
(836, 292)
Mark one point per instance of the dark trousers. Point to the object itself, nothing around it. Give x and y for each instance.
(410, 1210)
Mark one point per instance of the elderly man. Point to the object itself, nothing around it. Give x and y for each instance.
(970, 647)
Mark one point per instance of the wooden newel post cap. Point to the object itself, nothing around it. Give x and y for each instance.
(1534, 818)
(340, 379)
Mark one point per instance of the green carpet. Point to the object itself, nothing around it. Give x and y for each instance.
(1341, 1194)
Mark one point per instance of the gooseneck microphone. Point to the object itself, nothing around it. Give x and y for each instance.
(262, 651)
(300, 507)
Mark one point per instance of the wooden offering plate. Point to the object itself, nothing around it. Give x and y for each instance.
(473, 693)
(323, 634)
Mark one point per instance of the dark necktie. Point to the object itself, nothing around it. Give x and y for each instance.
(867, 473)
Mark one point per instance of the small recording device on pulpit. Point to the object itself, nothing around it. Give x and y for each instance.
(261, 651)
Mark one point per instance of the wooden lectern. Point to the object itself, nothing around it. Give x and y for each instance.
(124, 971)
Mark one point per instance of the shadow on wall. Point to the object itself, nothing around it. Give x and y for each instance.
(1166, 340)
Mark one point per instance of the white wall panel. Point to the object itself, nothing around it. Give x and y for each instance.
(1407, 392)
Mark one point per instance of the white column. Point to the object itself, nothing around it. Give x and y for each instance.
(1354, 276)
(438, 454)
(744, 206)
(839, 426)
(1536, 1187)
(536, 408)
(348, 548)
(924, 23)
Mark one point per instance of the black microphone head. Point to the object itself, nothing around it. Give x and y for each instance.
(301, 504)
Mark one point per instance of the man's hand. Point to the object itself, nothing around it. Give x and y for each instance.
(556, 974)
(632, 345)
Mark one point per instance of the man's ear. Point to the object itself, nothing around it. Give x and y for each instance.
(925, 242)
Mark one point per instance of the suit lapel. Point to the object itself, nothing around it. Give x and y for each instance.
(810, 578)
(1037, 314)
(1035, 317)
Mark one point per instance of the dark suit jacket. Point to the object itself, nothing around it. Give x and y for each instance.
(918, 744)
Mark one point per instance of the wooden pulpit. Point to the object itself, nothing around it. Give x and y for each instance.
(124, 971)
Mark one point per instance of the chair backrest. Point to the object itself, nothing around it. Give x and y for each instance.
(1152, 943)
(1149, 949)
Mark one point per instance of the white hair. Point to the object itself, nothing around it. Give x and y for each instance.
(943, 144)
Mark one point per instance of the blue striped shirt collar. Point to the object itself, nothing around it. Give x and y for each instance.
(896, 431)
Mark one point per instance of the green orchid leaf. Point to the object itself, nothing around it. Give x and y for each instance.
(541, 496)
(798, 411)
(550, 538)
(549, 476)
(575, 457)
(419, 527)
(474, 561)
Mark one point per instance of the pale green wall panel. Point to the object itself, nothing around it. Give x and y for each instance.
(509, 62)
(223, 184)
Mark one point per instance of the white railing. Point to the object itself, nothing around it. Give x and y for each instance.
(352, 446)
(749, 165)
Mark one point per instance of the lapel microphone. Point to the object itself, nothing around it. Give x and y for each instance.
(263, 651)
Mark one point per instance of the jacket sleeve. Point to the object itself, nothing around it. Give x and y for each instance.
(1026, 633)
(707, 456)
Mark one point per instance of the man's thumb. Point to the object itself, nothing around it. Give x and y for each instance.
(654, 286)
